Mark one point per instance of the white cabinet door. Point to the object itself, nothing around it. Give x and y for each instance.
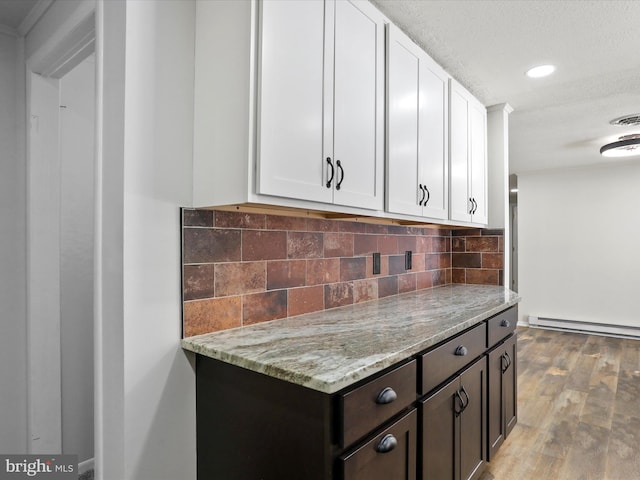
(417, 130)
(290, 147)
(358, 102)
(403, 91)
(433, 137)
(460, 205)
(478, 161)
(468, 157)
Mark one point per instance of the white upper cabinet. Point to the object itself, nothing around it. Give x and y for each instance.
(468, 157)
(417, 133)
(289, 104)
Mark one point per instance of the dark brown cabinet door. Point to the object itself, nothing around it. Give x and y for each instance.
(473, 420)
(439, 433)
(390, 455)
(510, 385)
(454, 427)
(502, 373)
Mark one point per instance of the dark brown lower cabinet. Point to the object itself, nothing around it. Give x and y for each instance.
(391, 455)
(503, 391)
(454, 426)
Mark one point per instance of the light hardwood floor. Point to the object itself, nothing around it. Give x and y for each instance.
(578, 410)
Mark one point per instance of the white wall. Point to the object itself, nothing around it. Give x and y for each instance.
(77, 95)
(13, 390)
(578, 244)
(157, 380)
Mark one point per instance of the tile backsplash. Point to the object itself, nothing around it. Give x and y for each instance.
(243, 268)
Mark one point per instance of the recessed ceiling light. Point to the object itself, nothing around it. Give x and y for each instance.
(540, 71)
(626, 146)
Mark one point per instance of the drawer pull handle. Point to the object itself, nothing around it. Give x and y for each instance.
(461, 351)
(387, 444)
(505, 323)
(387, 395)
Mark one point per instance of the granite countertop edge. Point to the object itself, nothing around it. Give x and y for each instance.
(269, 348)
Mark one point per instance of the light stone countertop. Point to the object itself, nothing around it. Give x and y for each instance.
(332, 349)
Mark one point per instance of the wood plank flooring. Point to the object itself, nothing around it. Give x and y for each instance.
(578, 410)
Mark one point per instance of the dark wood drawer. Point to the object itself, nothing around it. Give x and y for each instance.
(366, 407)
(370, 462)
(501, 326)
(443, 361)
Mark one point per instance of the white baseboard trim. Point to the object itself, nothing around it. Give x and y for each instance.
(85, 466)
(592, 328)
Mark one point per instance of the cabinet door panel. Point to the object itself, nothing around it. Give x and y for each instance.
(459, 204)
(473, 421)
(433, 138)
(291, 76)
(510, 386)
(403, 87)
(367, 463)
(495, 420)
(358, 103)
(440, 434)
(478, 159)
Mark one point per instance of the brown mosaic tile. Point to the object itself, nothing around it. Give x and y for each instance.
(352, 227)
(439, 244)
(286, 274)
(501, 278)
(240, 278)
(338, 294)
(406, 243)
(387, 286)
(482, 244)
(338, 245)
(501, 244)
(388, 244)
(211, 315)
(466, 260)
(353, 268)
(262, 307)
(377, 228)
(364, 244)
(198, 281)
(458, 244)
(407, 282)
(445, 260)
(423, 280)
(424, 245)
(197, 218)
(276, 222)
(432, 261)
(466, 232)
(482, 276)
(497, 232)
(305, 300)
(418, 262)
(239, 220)
(396, 264)
(448, 276)
(305, 245)
(205, 245)
(323, 271)
(365, 290)
(263, 245)
(492, 260)
(439, 277)
(458, 275)
(322, 225)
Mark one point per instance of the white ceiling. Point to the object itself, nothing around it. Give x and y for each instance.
(559, 121)
(12, 12)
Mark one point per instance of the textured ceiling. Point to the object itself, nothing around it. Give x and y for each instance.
(12, 12)
(559, 121)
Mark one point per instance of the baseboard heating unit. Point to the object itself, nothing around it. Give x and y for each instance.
(605, 329)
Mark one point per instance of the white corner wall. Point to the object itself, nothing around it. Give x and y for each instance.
(13, 320)
(159, 379)
(578, 236)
